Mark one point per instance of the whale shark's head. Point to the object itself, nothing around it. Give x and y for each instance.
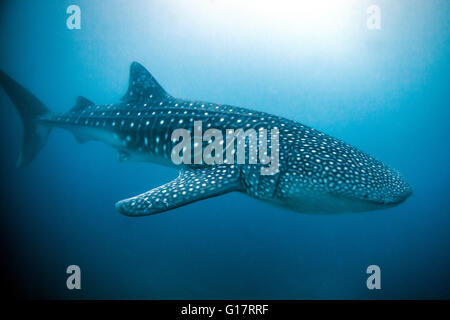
(338, 180)
(373, 190)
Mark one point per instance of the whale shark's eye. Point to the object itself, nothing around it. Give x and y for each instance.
(365, 195)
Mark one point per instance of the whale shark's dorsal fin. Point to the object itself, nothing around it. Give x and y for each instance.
(142, 86)
(82, 103)
(191, 185)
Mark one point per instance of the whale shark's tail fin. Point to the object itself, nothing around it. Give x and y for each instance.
(30, 109)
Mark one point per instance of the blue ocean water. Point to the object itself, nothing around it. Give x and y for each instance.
(385, 91)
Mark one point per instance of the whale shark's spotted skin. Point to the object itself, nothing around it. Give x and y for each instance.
(317, 173)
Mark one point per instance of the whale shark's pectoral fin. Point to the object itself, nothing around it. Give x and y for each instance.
(191, 185)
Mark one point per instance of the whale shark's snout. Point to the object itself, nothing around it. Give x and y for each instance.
(396, 190)
(385, 188)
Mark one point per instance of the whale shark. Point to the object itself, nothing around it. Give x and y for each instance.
(316, 172)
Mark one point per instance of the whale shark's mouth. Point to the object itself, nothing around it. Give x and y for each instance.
(327, 203)
(395, 194)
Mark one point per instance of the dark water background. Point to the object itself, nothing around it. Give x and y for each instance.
(385, 91)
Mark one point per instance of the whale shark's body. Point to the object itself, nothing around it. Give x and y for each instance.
(317, 173)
